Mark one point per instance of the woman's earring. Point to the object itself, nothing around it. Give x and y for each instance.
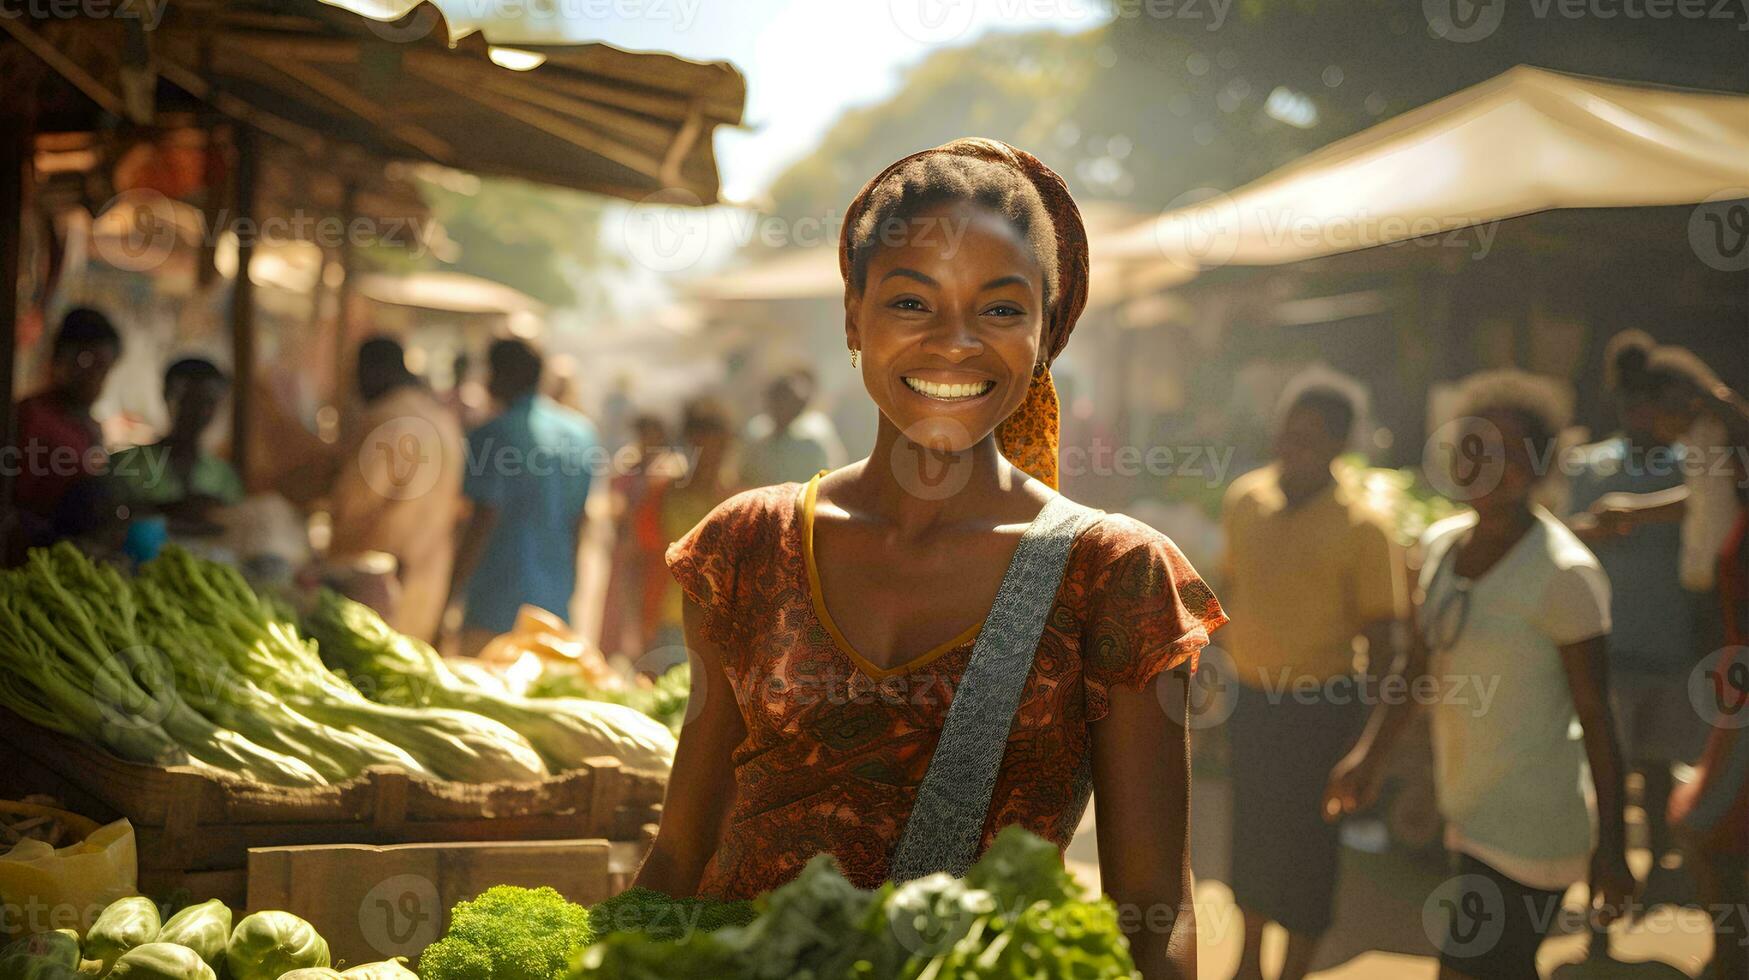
(853, 353)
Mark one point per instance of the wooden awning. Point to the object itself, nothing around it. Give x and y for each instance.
(587, 116)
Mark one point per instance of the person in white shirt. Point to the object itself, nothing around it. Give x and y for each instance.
(1509, 597)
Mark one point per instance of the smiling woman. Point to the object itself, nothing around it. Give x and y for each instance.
(905, 655)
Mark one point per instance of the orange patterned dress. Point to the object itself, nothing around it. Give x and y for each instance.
(835, 747)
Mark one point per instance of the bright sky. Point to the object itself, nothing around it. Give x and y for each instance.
(805, 60)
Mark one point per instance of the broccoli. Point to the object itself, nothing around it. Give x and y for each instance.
(508, 933)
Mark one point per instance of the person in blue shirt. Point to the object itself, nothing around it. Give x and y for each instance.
(1654, 643)
(527, 474)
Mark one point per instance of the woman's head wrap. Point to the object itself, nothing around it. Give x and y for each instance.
(1028, 437)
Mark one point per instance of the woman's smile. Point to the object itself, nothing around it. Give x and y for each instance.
(949, 391)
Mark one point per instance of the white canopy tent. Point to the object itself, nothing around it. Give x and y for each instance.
(1525, 141)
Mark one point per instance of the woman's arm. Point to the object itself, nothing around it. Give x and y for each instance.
(1612, 884)
(1354, 783)
(701, 787)
(1141, 780)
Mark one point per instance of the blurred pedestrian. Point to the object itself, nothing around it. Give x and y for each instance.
(1512, 628)
(681, 502)
(1311, 570)
(528, 477)
(1653, 645)
(59, 441)
(637, 578)
(791, 440)
(176, 475)
(399, 486)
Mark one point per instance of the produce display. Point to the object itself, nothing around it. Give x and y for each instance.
(400, 670)
(1017, 914)
(184, 664)
(197, 943)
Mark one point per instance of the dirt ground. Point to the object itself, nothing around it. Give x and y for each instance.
(1378, 933)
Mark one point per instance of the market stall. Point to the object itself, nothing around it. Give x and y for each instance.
(171, 721)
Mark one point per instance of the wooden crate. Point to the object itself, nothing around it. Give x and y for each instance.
(195, 828)
(371, 903)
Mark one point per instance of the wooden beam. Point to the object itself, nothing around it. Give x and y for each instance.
(351, 100)
(243, 305)
(94, 89)
(554, 125)
(678, 150)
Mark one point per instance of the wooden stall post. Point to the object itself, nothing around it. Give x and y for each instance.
(14, 158)
(243, 303)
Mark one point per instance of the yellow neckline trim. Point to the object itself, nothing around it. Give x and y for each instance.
(825, 616)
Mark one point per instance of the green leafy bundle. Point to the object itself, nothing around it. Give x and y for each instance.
(1017, 914)
(401, 670)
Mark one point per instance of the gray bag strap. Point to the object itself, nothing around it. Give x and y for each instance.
(947, 822)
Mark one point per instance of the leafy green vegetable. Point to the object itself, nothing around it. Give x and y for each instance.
(662, 917)
(161, 961)
(124, 924)
(311, 973)
(268, 944)
(61, 946)
(508, 933)
(1016, 916)
(665, 700)
(401, 670)
(204, 928)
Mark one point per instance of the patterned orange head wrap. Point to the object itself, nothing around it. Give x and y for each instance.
(1028, 437)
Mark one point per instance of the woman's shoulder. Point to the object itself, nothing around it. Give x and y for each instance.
(747, 516)
(1120, 561)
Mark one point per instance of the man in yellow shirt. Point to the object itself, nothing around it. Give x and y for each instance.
(1310, 571)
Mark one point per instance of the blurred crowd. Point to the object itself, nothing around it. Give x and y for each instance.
(1559, 638)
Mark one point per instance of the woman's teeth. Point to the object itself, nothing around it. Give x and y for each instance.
(948, 393)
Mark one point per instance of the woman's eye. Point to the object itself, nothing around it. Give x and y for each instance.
(1006, 309)
(908, 303)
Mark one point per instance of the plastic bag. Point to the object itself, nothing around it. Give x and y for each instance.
(43, 888)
